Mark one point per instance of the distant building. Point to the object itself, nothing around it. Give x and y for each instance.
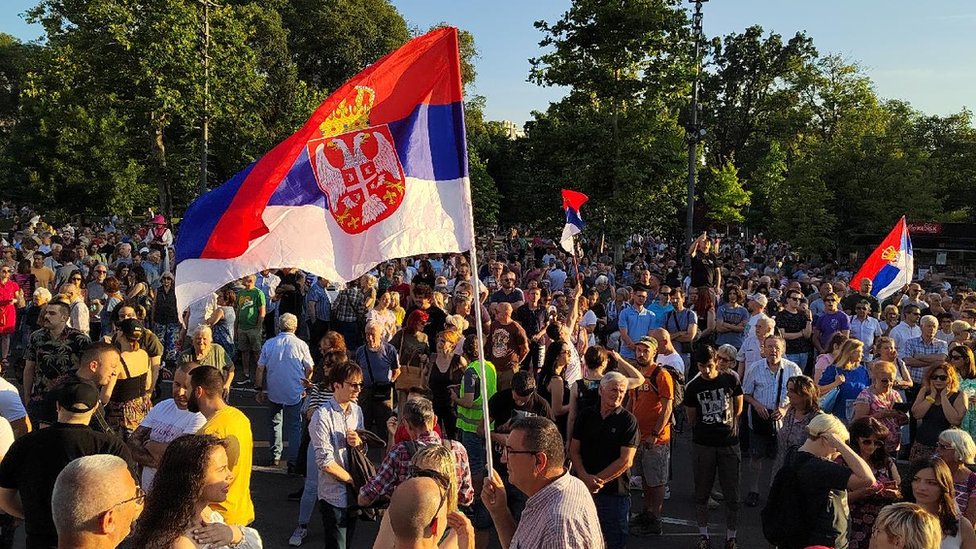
(512, 130)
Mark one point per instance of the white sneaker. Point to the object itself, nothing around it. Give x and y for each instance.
(297, 537)
(636, 483)
(667, 491)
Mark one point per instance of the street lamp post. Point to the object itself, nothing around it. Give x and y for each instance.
(693, 131)
(205, 122)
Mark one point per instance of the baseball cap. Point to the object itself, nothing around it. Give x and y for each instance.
(132, 328)
(78, 396)
(759, 298)
(649, 341)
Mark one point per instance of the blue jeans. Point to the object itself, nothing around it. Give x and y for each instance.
(293, 429)
(338, 525)
(613, 511)
(800, 359)
(311, 492)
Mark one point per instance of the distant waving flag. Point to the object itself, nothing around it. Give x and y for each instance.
(572, 201)
(379, 171)
(890, 266)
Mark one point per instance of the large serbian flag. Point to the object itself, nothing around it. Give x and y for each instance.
(572, 202)
(379, 171)
(890, 266)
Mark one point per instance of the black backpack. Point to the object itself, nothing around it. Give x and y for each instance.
(677, 380)
(782, 524)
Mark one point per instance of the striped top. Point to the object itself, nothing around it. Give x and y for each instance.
(560, 516)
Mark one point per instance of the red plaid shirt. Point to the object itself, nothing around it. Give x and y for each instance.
(395, 467)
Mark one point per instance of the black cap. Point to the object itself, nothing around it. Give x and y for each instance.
(78, 396)
(132, 328)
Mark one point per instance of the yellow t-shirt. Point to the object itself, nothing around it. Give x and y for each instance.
(231, 424)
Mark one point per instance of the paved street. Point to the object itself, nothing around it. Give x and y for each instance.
(276, 516)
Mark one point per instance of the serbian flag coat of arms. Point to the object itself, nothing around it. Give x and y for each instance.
(890, 266)
(379, 171)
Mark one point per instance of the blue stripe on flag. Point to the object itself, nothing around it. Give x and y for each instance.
(884, 277)
(192, 238)
(573, 218)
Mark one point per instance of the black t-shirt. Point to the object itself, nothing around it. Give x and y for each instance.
(850, 301)
(531, 321)
(601, 439)
(703, 269)
(824, 485)
(33, 463)
(792, 323)
(502, 409)
(714, 401)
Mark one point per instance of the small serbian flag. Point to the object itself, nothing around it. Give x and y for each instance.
(379, 171)
(572, 201)
(890, 266)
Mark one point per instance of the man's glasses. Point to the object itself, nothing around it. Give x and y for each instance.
(511, 451)
(358, 385)
(139, 499)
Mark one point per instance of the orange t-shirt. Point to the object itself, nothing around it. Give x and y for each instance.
(645, 403)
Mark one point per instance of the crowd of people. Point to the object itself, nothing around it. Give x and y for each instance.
(591, 368)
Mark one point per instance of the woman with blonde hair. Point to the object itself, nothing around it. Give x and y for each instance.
(886, 350)
(890, 318)
(830, 357)
(906, 526)
(878, 401)
(445, 370)
(960, 333)
(939, 406)
(848, 376)
(382, 315)
(957, 450)
(398, 311)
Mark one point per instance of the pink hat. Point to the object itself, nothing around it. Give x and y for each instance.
(159, 220)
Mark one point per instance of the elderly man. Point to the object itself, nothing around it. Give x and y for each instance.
(95, 502)
(925, 350)
(764, 389)
(381, 368)
(506, 345)
(602, 451)
(419, 419)
(285, 365)
(52, 352)
(559, 511)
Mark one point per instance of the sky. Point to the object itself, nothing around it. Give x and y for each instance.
(920, 52)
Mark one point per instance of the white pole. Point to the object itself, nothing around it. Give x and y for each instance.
(481, 342)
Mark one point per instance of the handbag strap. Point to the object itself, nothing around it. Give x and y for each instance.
(779, 385)
(369, 366)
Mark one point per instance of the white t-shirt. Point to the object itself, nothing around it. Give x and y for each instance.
(167, 422)
(6, 436)
(11, 406)
(674, 360)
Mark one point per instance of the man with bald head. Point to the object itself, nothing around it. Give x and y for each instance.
(506, 345)
(95, 502)
(419, 516)
(666, 353)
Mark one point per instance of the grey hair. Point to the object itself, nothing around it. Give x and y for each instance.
(83, 491)
(418, 413)
(288, 322)
(43, 292)
(202, 328)
(611, 378)
(928, 320)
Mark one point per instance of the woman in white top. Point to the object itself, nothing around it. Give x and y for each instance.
(192, 475)
(384, 316)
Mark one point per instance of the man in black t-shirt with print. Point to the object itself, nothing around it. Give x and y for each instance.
(34, 461)
(602, 451)
(713, 402)
(504, 409)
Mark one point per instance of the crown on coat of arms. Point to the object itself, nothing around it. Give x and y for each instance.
(350, 115)
(889, 254)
